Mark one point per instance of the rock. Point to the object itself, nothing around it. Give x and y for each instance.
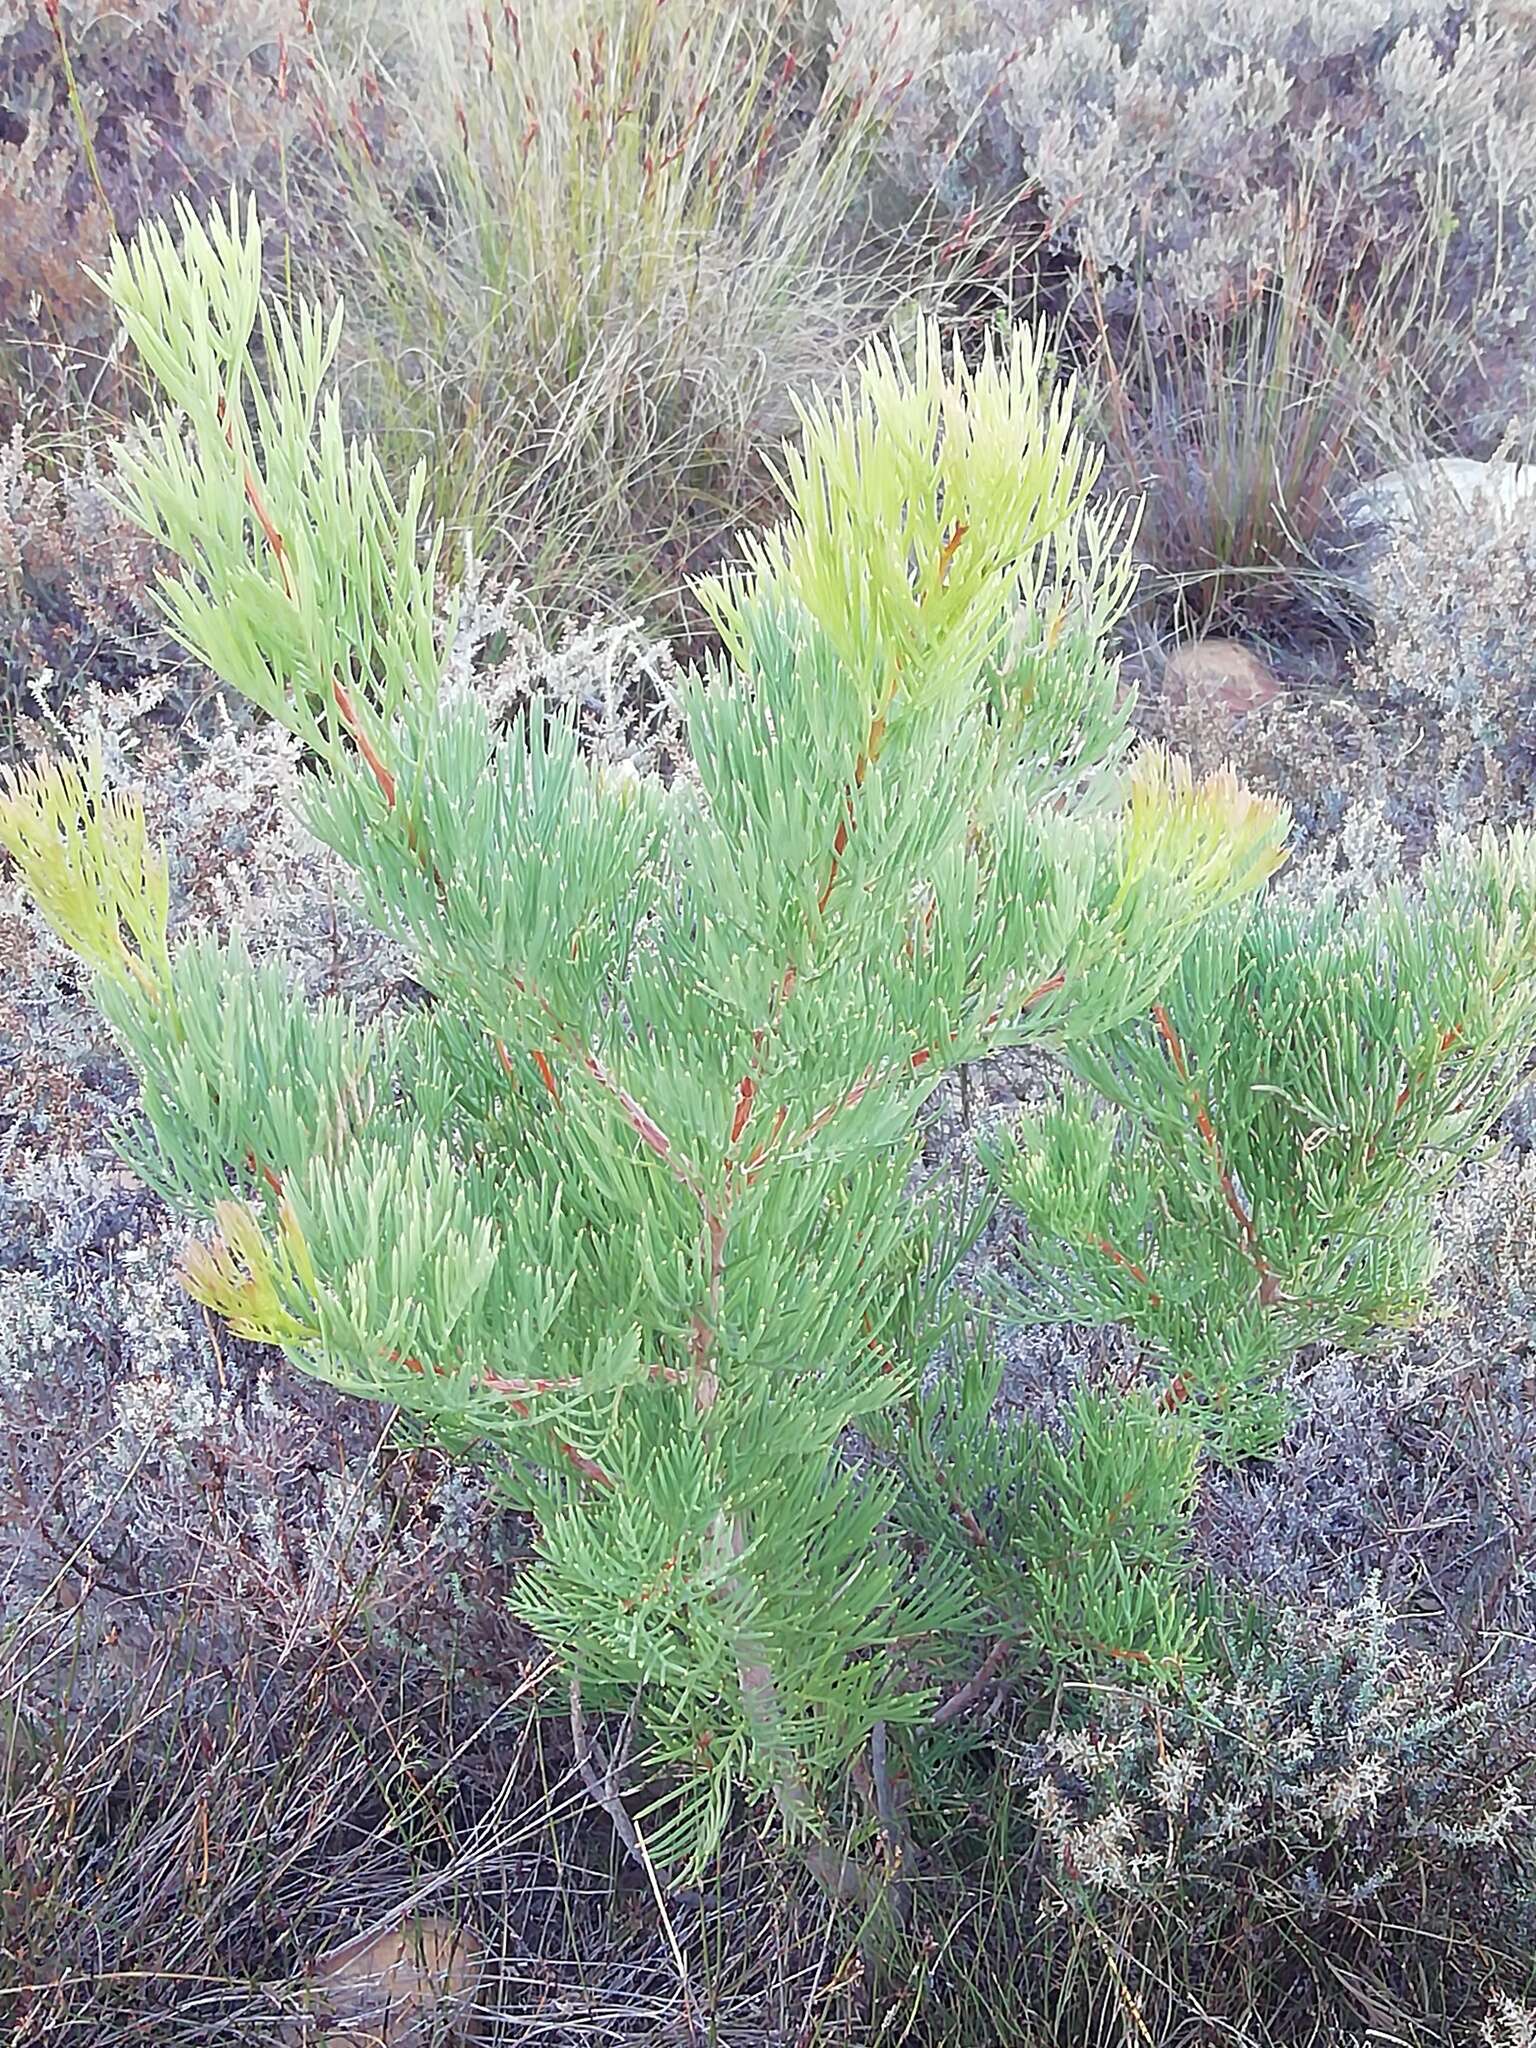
(408, 1988)
(1219, 676)
(1501, 491)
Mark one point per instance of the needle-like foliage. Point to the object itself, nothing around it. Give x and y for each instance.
(1252, 1166)
(627, 1210)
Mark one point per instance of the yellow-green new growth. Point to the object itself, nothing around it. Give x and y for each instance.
(85, 855)
(254, 1287)
(921, 499)
(302, 583)
(1221, 839)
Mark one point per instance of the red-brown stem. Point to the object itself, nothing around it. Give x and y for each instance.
(1175, 1394)
(361, 741)
(1120, 1656)
(1269, 1286)
(257, 503)
(1036, 994)
(271, 1179)
(876, 736)
(760, 1152)
(947, 555)
(1041, 989)
(499, 1385)
(744, 1094)
(747, 1091)
(887, 1363)
(587, 1467)
(539, 1061)
(703, 1328)
(1446, 1042)
(640, 1121)
(1110, 1252)
(957, 1507)
(644, 1125)
(840, 840)
(279, 552)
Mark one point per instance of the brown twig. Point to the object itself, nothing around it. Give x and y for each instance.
(967, 1695)
(512, 1391)
(875, 738)
(1448, 1039)
(1110, 1252)
(603, 1783)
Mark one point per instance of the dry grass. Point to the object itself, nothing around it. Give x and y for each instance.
(603, 242)
(1247, 428)
(178, 1846)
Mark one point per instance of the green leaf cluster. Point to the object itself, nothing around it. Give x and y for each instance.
(1252, 1166)
(1069, 1539)
(630, 1211)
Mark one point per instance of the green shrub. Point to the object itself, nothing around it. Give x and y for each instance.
(628, 1205)
(628, 1209)
(1254, 1167)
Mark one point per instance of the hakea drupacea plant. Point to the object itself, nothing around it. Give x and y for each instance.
(628, 1210)
(1252, 1166)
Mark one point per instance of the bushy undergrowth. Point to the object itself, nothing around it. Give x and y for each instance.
(588, 249)
(1334, 1796)
(75, 590)
(109, 110)
(1278, 236)
(1455, 648)
(597, 250)
(1178, 141)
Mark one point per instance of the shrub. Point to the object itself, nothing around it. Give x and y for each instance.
(1277, 236)
(1454, 651)
(1337, 1810)
(1307, 1083)
(652, 1245)
(76, 578)
(1180, 141)
(626, 1208)
(109, 110)
(1330, 1834)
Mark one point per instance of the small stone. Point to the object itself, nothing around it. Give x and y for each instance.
(1218, 675)
(407, 1988)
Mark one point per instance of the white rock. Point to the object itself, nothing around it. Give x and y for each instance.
(1501, 492)
(1494, 498)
